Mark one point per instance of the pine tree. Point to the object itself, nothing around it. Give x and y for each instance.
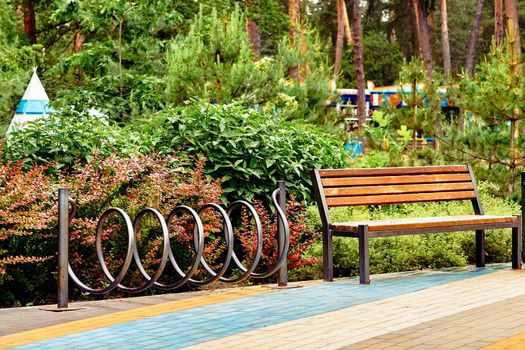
(496, 96)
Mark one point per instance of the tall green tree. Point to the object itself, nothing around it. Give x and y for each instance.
(214, 61)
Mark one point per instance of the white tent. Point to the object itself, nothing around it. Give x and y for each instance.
(34, 104)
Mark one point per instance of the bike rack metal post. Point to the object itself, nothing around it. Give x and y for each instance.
(282, 278)
(522, 216)
(63, 243)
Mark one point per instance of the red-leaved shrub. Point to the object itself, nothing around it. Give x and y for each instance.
(28, 218)
(302, 236)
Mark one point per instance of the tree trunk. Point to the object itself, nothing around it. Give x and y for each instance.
(513, 37)
(348, 29)
(471, 47)
(78, 41)
(30, 21)
(293, 15)
(414, 47)
(498, 21)
(358, 62)
(423, 36)
(303, 68)
(513, 157)
(444, 37)
(78, 46)
(254, 36)
(339, 42)
(511, 13)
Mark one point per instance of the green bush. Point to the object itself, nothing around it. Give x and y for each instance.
(392, 254)
(71, 136)
(250, 150)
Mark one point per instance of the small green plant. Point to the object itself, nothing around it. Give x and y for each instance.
(387, 145)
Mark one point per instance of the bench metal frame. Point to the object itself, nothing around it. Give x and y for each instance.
(363, 234)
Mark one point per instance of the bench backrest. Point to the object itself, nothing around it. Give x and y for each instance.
(375, 186)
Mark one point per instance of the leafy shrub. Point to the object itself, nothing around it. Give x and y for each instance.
(416, 252)
(249, 150)
(301, 236)
(68, 137)
(28, 221)
(133, 184)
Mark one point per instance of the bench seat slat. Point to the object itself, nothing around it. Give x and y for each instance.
(399, 198)
(326, 173)
(422, 223)
(397, 189)
(394, 180)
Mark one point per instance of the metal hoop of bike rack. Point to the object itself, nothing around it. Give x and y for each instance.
(67, 209)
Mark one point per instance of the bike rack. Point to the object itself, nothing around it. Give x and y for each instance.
(67, 209)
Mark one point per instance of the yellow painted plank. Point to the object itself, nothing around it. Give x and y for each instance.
(514, 342)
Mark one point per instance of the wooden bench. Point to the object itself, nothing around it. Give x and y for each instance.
(354, 187)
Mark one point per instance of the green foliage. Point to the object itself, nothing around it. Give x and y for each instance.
(392, 254)
(381, 136)
(422, 96)
(392, 131)
(70, 136)
(250, 150)
(495, 100)
(382, 61)
(311, 90)
(119, 67)
(271, 18)
(387, 146)
(496, 91)
(215, 62)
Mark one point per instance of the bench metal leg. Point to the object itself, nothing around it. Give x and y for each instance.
(480, 248)
(364, 263)
(517, 245)
(328, 264)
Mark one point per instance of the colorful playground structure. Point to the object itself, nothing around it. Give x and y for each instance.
(378, 96)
